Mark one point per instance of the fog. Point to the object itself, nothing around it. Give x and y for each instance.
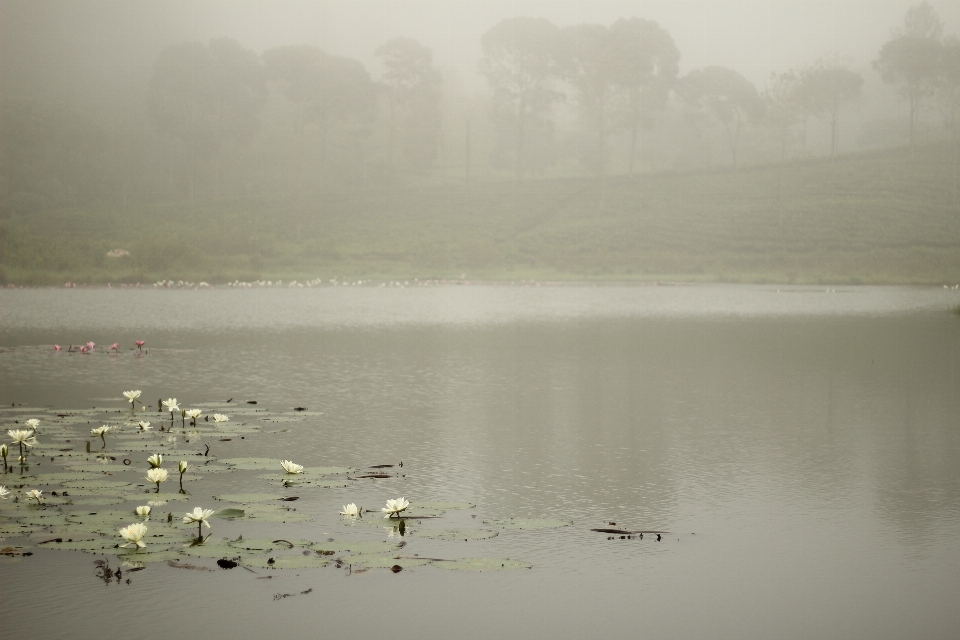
(130, 105)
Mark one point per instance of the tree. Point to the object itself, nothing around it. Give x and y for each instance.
(413, 100)
(948, 96)
(824, 88)
(521, 64)
(332, 93)
(207, 96)
(911, 60)
(727, 96)
(783, 107)
(647, 64)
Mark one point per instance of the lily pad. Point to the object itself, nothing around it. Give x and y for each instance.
(248, 497)
(251, 463)
(457, 534)
(443, 506)
(148, 555)
(528, 523)
(267, 544)
(288, 561)
(229, 514)
(483, 564)
(219, 550)
(383, 562)
(355, 547)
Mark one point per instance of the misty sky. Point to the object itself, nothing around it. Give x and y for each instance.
(754, 37)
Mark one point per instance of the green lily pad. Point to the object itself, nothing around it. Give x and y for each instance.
(148, 555)
(96, 545)
(356, 547)
(96, 483)
(251, 463)
(457, 534)
(529, 523)
(220, 549)
(16, 529)
(483, 564)
(248, 497)
(383, 562)
(444, 506)
(270, 513)
(229, 514)
(288, 561)
(266, 544)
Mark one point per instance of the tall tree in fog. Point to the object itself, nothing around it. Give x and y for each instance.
(911, 59)
(825, 88)
(521, 64)
(206, 96)
(412, 91)
(783, 109)
(948, 96)
(332, 93)
(647, 63)
(727, 96)
(589, 63)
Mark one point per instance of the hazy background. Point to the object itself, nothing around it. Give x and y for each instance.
(103, 126)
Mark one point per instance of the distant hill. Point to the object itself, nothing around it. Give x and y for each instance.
(878, 217)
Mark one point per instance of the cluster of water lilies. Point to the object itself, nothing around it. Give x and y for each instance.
(31, 494)
(180, 284)
(394, 508)
(136, 532)
(156, 474)
(89, 347)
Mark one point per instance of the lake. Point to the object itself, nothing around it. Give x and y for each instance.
(798, 448)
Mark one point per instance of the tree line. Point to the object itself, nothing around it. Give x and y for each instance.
(219, 120)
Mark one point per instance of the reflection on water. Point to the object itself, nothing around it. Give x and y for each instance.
(802, 448)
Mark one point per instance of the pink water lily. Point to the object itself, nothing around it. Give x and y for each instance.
(115, 346)
(140, 344)
(57, 347)
(91, 345)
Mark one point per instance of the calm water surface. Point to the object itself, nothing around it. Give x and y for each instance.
(801, 447)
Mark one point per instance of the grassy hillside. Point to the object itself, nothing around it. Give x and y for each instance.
(882, 217)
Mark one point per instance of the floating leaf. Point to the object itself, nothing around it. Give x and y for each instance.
(457, 534)
(229, 514)
(249, 497)
(288, 561)
(251, 464)
(383, 562)
(267, 544)
(443, 506)
(529, 523)
(356, 547)
(483, 564)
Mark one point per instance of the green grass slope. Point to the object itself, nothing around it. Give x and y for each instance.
(882, 217)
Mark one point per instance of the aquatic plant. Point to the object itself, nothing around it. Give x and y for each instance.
(22, 437)
(394, 507)
(144, 425)
(157, 475)
(140, 344)
(134, 534)
(172, 406)
(352, 510)
(219, 418)
(33, 423)
(115, 346)
(102, 432)
(155, 460)
(143, 510)
(193, 414)
(35, 494)
(199, 516)
(132, 397)
(291, 467)
(183, 467)
(4, 492)
(4, 452)
(57, 347)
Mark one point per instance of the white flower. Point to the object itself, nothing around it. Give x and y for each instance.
(219, 417)
(134, 534)
(131, 395)
(144, 425)
(291, 467)
(143, 510)
(33, 423)
(22, 437)
(193, 414)
(4, 492)
(100, 431)
(394, 507)
(157, 476)
(183, 467)
(35, 494)
(171, 404)
(155, 460)
(350, 510)
(199, 516)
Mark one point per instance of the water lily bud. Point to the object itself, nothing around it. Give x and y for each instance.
(184, 466)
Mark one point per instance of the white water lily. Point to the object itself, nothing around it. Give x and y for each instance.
(34, 494)
(132, 396)
(183, 466)
(22, 437)
(4, 492)
(193, 414)
(171, 405)
(350, 510)
(155, 461)
(134, 534)
(199, 516)
(394, 507)
(291, 467)
(219, 417)
(144, 425)
(157, 476)
(102, 432)
(33, 423)
(143, 510)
